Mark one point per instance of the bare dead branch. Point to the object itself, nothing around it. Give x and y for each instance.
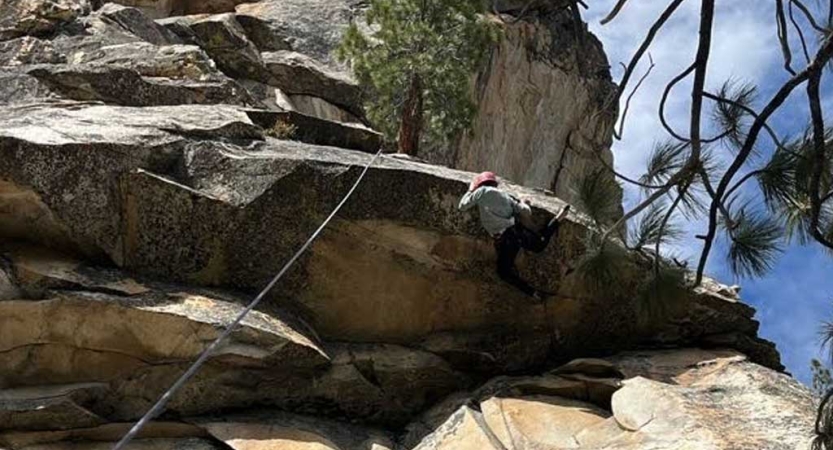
(808, 15)
(800, 34)
(618, 135)
(625, 178)
(665, 96)
(701, 64)
(742, 181)
(783, 36)
(615, 12)
(818, 157)
(646, 44)
(665, 220)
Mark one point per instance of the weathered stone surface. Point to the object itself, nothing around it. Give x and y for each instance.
(139, 444)
(295, 73)
(739, 406)
(173, 433)
(465, 430)
(53, 407)
(539, 421)
(543, 88)
(137, 23)
(685, 398)
(276, 100)
(37, 17)
(127, 87)
(154, 330)
(273, 429)
(589, 366)
(175, 328)
(311, 27)
(165, 8)
(8, 288)
(20, 88)
(318, 107)
(149, 228)
(28, 50)
(313, 130)
(170, 61)
(225, 41)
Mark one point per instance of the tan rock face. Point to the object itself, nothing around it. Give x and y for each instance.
(271, 430)
(540, 421)
(718, 400)
(541, 99)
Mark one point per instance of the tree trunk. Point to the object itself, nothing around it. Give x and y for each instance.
(410, 127)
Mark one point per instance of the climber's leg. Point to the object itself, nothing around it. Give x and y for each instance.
(538, 242)
(533, 241)
(507, 246)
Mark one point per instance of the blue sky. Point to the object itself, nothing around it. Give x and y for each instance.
(798, 294)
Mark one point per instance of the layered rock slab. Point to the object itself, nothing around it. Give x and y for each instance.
(151, 332)
(193, 194)
(696, 399)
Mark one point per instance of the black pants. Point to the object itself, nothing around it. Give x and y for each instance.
(511, 242)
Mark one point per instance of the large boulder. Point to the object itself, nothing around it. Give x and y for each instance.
(311, 27)
(225, 41)
(134, 21)
(295, 73)
(685, 398)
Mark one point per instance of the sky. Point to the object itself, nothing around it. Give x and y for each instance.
(794, 299)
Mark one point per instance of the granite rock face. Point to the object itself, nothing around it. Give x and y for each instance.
(156, 174)
(685, 398)
(543, 106)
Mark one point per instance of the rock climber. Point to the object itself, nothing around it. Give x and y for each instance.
(499, 215)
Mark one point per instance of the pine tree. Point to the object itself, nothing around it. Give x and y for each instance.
(417, 65)
(822, 380)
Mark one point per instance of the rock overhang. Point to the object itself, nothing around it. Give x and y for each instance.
(197, 194)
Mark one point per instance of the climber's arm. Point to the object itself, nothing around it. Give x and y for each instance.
(470, 199)
(520, 207)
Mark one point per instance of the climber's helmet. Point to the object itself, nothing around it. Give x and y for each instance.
(484, 179)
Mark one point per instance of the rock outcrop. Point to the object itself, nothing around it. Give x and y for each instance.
(154, 175)
(544, 118)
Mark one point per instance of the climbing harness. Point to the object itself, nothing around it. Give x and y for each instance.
(166, 397)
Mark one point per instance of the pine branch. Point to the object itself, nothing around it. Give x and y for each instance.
(823, 56)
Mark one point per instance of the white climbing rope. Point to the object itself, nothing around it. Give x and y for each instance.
(166, 397)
